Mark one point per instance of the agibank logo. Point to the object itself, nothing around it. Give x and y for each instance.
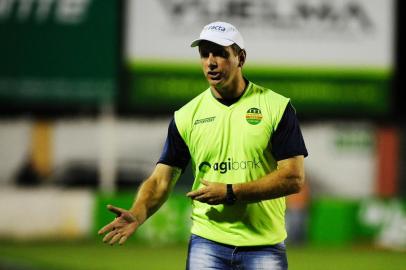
(253, 116)
(230, 165)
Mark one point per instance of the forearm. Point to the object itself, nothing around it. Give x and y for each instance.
(281, 182)
(148, 200)
(153, 193)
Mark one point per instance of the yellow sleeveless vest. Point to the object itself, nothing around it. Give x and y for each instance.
(231, 144)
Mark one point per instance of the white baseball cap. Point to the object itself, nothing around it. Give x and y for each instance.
(221, 33)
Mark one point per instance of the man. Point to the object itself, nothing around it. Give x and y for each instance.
(247, 154)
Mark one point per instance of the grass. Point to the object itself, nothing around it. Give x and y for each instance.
(93, 255)
(345, 258)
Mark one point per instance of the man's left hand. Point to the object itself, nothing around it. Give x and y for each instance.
(212, 193)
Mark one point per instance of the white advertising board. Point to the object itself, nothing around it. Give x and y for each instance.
(342, 159)
(349, 33)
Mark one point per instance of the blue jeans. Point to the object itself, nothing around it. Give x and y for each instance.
(207, 254)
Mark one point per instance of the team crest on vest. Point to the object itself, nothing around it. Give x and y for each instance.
(253, 116)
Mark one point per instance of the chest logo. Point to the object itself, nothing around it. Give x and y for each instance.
(204, 120)
(253, 116)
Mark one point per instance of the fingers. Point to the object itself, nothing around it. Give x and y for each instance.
(211, 193)
(193, 194)
(107, 228)
(115, 236)
(204, 182)
(123, 239)
(110, 235)
(121, 228)
(201, 198)
(200, 191)
(209, 200)
(116, 210)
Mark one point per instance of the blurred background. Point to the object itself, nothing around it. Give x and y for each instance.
(87, 90)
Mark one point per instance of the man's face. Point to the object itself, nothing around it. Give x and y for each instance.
(220, 64)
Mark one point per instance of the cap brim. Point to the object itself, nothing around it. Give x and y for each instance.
(219, 41)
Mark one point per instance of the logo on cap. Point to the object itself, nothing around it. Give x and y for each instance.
(216, 27)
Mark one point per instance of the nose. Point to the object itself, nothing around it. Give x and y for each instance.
(212, 63)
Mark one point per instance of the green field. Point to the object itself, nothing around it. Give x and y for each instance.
(91, 255)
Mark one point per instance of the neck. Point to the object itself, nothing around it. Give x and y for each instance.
(233, 91)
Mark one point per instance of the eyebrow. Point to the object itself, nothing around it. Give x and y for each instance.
(217, 51)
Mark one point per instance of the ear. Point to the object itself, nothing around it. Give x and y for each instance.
(242, 57)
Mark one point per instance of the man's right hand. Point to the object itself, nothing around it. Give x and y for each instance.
(122, 227)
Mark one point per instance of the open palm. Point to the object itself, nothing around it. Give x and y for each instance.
(122, 227)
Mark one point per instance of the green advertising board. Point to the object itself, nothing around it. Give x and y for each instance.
(58, 53)
(315, 92)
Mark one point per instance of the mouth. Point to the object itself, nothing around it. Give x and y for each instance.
(213, 75)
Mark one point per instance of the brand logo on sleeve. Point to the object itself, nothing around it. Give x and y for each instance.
(253, 116)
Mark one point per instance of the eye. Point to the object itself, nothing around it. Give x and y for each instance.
(221, 53)
(204, 53)
(217, 52)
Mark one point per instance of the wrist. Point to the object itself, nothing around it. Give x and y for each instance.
(230, 195)
(136, 216)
